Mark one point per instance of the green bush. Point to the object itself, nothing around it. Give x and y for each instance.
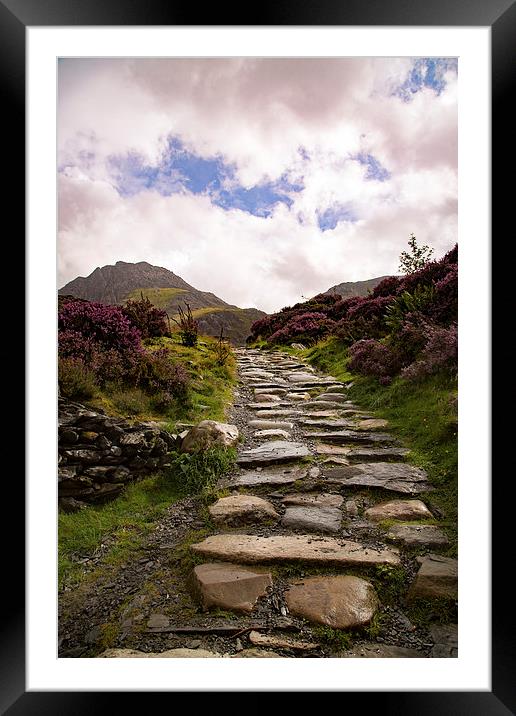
(198, 472)
(76, 381)
(131, 401)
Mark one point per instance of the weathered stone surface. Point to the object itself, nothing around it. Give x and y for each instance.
(270, 424)
(271, 476)
(417, 535)
(351, 508)
(209, 433)
(319, 421)
(280, 642)
(312, 518)
(323, 404)
(230, 586)
(334, 397)
(242, 510)
(398, 477)
(321, 449)
(257, 654)
(380, 651)
(278, 392)
(266, 398)
(335, 460)
(399, 510)
(272, 434)
(305, 548)
(372, 454)
(280, 413)
(300, 377)
(271, 405)
(276, 451)
(437, 577)
(169, 654)
(297, 397)
(351, 436)
(317, 499)
(372, 424)
(445, 639)
(342, 602)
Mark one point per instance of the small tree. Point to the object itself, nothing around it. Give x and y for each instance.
(188, 326)
(222, 349)
(416, 258)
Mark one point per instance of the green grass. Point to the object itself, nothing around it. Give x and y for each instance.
(126, 520)
(198, 473)
(159, 297)
(210, 394)
(329, 356)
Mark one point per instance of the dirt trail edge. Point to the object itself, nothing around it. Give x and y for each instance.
(320, 544)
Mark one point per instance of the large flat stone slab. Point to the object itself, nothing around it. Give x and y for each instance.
(269, 476)
(372, 424)
(169, 654)
(312, 518)
(271, 435)
(394, 476)
(313, 499)
(335, 397)
(405, 510)
(322, 449)
(272, 405)
(250, 549)
(319, 421)
(377, 454)
(278, 392)
(417, 535)
(271, 424)
(229, 586)
(237, 510)
(324, 404)
(445, 639)
(276, 451)
(342, 602)
(351, 436)
(280, 413)
(270, 385)
(437, 577)
(266, 398)
(301, 377)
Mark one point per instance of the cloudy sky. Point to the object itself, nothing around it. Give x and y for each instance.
(261, 180)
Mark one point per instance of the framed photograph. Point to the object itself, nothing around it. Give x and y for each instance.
(216, 153)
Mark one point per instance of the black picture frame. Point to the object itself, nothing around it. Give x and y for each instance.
(500, 16)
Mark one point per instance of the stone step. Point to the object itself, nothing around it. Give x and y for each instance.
(417, 535)
(270, 424)
(250, 549)
(436, 578)
(238, 510)
(371, 454)
(276, 451)
(398, 477)
(229, 586)
(313, 518)
(404, 510)
(351, 436)
(268, 476)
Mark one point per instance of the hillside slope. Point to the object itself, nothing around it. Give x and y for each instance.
(356, 288)
(115, 284)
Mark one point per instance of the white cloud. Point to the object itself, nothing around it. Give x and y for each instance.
(256, 114)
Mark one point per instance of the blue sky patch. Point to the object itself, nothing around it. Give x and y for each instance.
(426, 72)
(180, 170)
(333, 215)
(375, 171)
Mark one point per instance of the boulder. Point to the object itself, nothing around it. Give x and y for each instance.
(209, 433)
(230, 586)
(399, 510)
(312, 518)
(417, 535)
(436, 578)
(342, 602)
(242, 510)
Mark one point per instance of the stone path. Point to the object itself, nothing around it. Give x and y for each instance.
(321, 520)
(295, 423)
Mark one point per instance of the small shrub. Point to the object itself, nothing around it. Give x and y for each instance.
(149, 320)
(222, 349)
(156, 372)
(131, 401)
(195, 473)
(439, 353)
(372, 358)
(416, 258)
(188, 327)
(76, 381)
